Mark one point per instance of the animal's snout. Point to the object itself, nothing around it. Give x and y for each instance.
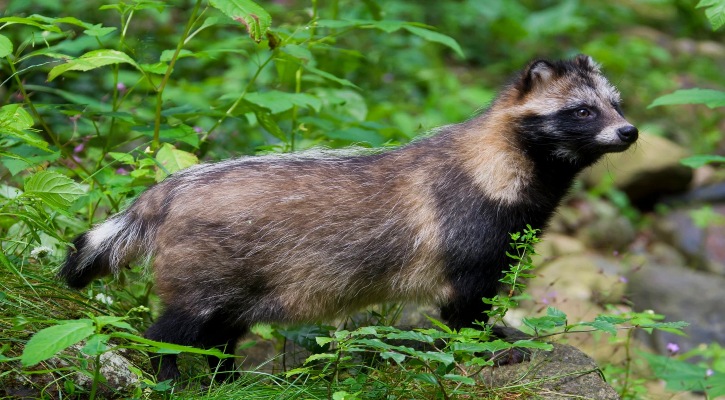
(628, 133)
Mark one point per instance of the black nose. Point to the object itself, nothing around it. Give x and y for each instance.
(628, 133)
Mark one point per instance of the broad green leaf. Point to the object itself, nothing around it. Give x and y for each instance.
(250, 14)
(681, 375)
(708, 97)
(14, 116)
(182, 133)
(62, 20)
(167, 55)
(97, 344)
(277, 102)
(124, 158)
(50, 341)
(444, 358)
(329, 76)
(433, 36)
(480, 347)
(6, 46)
(533, 344)
(397, 357)
(168, 348)
(410, 335)
(20, 158)
(715, 12)
(92, 60)
(32, 21)
(355, 134)
(699, 160)
(428, 378)
(267, 122)
(301, 53)
(172, 159)
(388, 26)
(56, 190)
(99, 30)
(602, 326)
(459, 378)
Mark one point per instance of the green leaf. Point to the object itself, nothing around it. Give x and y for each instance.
(255, 18)
(533, 344)
(459, 378)
(172, 160)
(410, 335)
(444, 358)
(182, 133)
(96, 345)
(32, 21)
(436, 37)
(16, 122)
(15, 117)
(99, 30)
(266, 120)
(169, 348)
(602, 326)
(428, 378)
(52, 340)
(355, 134)
(715, 12)
(92, 60)
(329, 76)
(56, 190)
(699, 160)
(397, 357)
(480, 347)
(708, 97)
(277, 102)
(6, 46)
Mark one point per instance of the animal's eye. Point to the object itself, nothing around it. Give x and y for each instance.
(582, 112)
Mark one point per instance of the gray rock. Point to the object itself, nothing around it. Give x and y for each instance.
(563, 373)
(645, 173)
(680, 294)
(703, 246)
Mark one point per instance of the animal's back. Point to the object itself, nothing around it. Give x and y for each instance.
(301, 239)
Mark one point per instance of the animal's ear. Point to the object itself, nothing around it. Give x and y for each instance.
(586, 62)
(538, 74)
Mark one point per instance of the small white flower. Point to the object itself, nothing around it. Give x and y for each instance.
(41, 252)
(104, 299)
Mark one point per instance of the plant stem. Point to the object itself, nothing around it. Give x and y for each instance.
(627, 363)
(236, 103)
(165, 80)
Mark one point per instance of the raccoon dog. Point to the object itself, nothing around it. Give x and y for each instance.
(314, 236)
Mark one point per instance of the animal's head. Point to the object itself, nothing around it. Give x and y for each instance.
(567, 110)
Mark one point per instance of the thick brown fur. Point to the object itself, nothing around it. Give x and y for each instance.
(317, 235)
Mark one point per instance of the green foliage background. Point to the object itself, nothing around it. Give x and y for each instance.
(100, 99)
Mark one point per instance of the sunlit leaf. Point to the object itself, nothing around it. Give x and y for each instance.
(708, 97)
(92, 60)
(172, 160)
(50, 341)
(699, 160)
(56, 190)
(6, 46)
(250, 14)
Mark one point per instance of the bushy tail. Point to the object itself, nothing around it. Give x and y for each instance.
(104, 250)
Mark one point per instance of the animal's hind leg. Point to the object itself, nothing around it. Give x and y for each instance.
(173, 326)
(222, 334)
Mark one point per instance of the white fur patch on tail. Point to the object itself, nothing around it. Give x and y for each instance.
(121, 238)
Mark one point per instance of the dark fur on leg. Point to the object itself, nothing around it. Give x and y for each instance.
(180, 327)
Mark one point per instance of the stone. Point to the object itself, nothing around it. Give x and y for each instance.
(563, 373)
(681, 294)
(702, 243)
(646, 173)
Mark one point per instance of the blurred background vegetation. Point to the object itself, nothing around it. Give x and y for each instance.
(326, 73)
